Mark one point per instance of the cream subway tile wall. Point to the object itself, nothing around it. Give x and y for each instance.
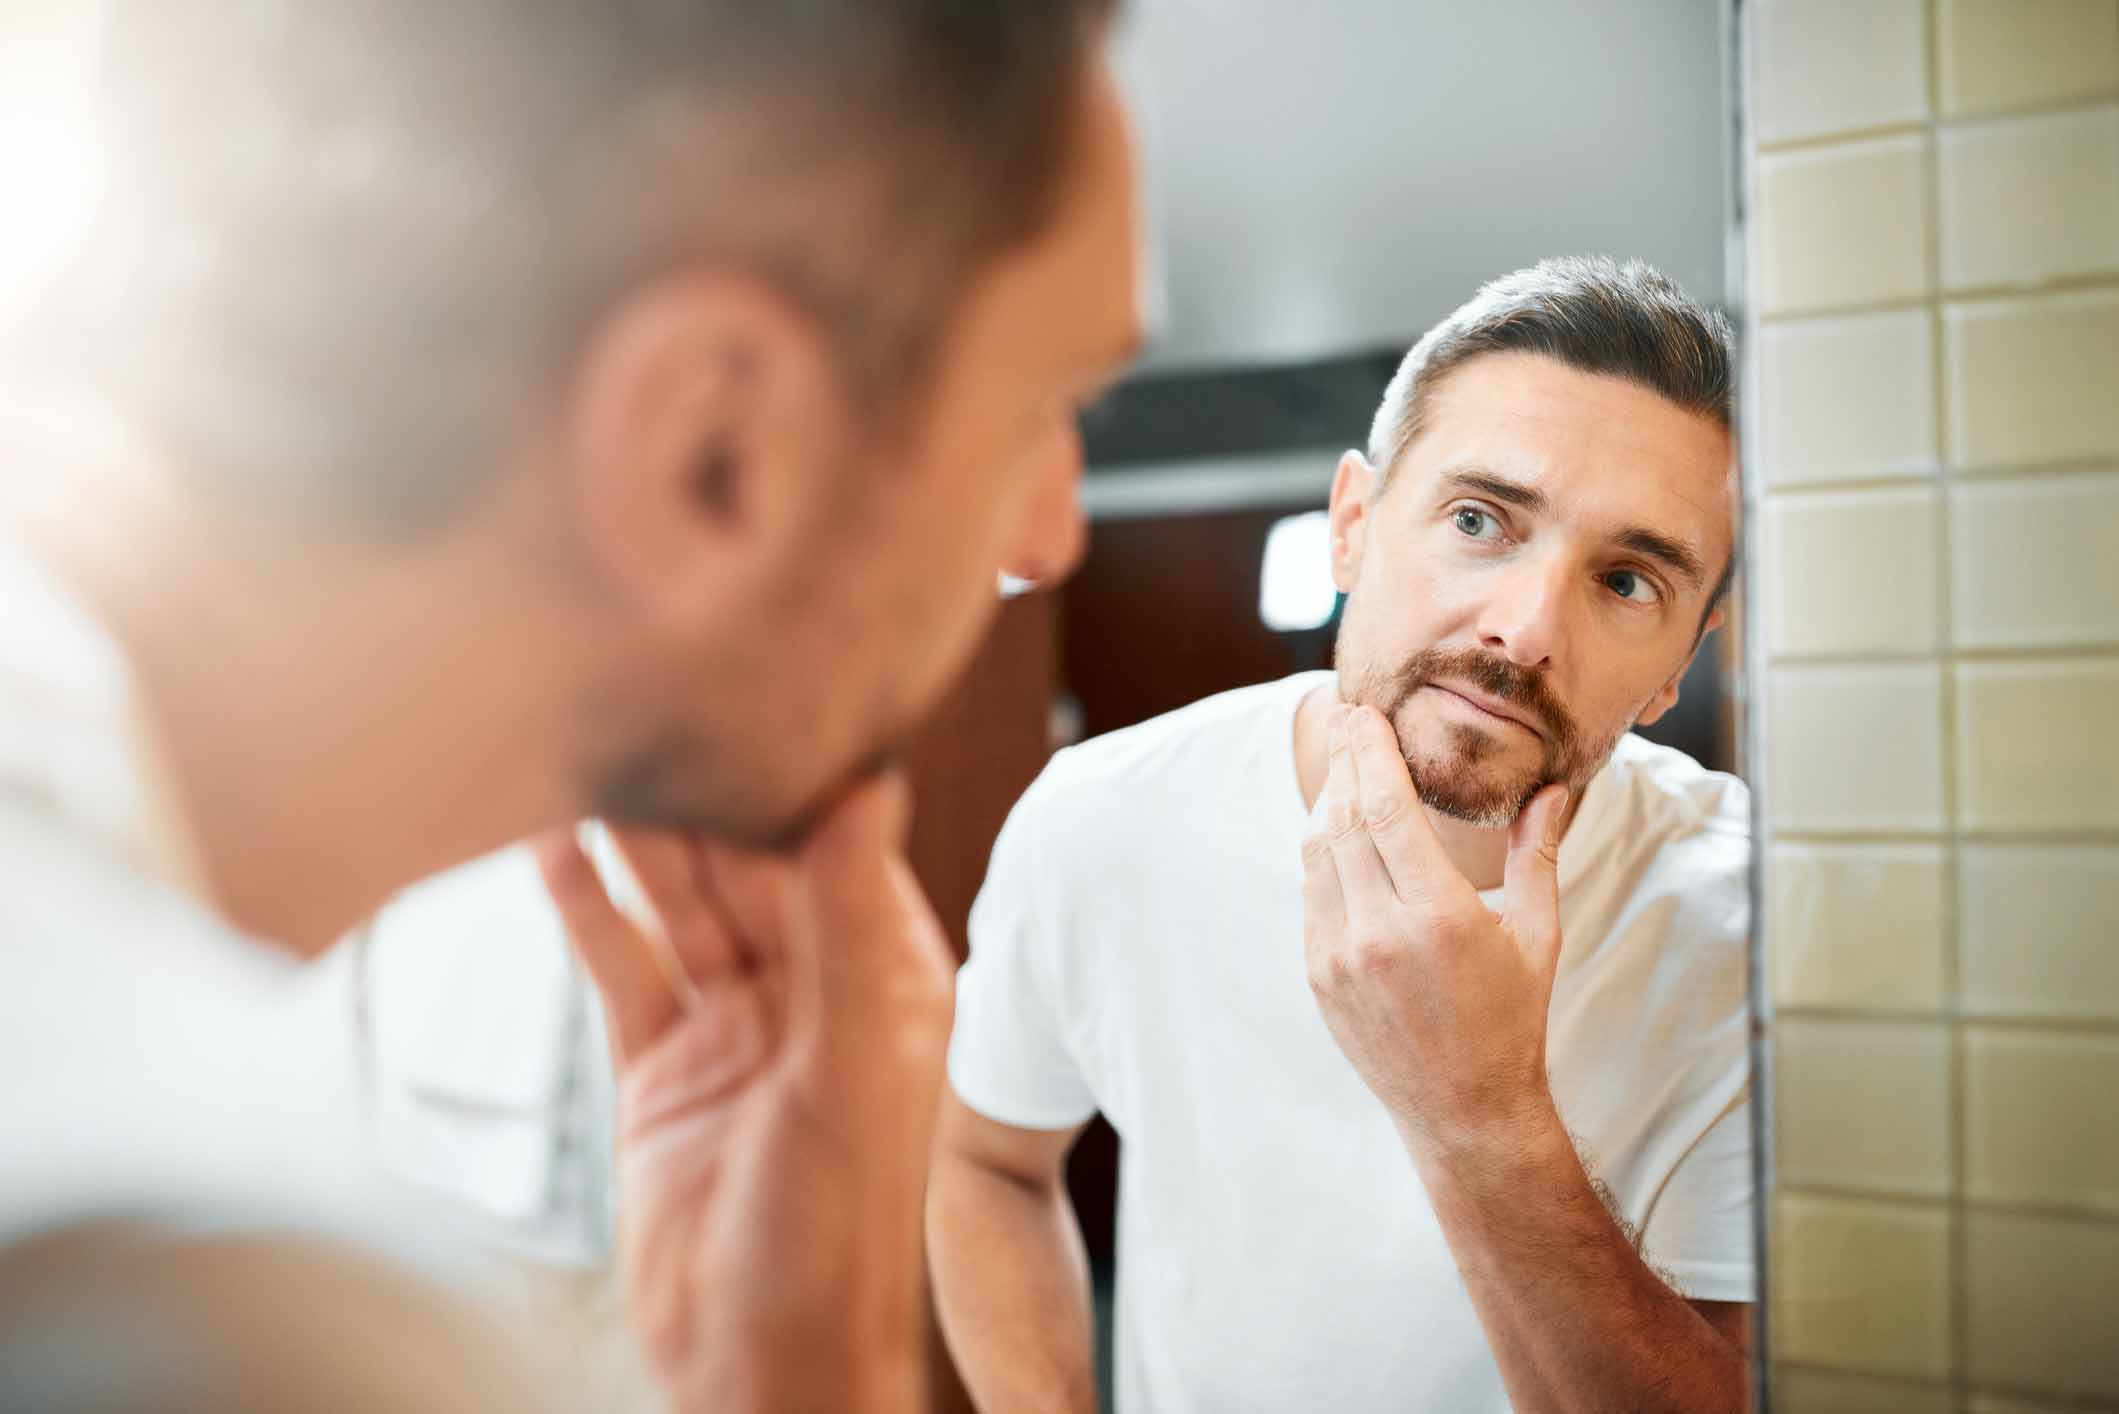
(2038, 931)
(2035, 562)
(1863, 1105)
(1932, 474)
(1844, 226)
(1998, 55)
(1832, 66)
(1863, 750)
(2065, 166)
(2038, 745)
(1862, 1285)
(1848, 557)
(1800, 1391)
(2007, 1404)
(1849, 398)
(2029, 381)
(2038, 1309)
(2038, 1118)
(1859, 927)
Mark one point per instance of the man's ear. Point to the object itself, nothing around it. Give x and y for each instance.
(1354, 488)
(699, 411)
(1666, 696)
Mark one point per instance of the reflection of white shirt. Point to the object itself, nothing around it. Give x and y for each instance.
(1137, 950)
(487, 1059)
(151, 1061)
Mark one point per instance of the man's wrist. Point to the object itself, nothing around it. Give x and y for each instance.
(768, 1379)
(1498, 1150)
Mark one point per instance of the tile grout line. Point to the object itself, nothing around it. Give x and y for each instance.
(1956, 1282)
(2058, 287)
(2032, 655)
(2038, 1024)
(1978, 477)
(1932, 1202)
(1934, 125)
(2043, 1399)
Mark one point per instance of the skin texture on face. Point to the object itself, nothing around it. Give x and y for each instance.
(795, 590)
(1529, 582)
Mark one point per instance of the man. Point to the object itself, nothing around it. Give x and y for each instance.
(1416, 994)
(457, 420)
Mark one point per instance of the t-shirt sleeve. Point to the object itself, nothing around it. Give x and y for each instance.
(1009, 1056)
(1699, 1232)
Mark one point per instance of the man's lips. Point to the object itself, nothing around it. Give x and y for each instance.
(1492, 707)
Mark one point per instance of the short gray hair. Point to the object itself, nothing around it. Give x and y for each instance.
(1593, 313)
(345, 240)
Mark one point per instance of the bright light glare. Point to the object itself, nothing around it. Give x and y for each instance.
(48, 151)
(1295, 589)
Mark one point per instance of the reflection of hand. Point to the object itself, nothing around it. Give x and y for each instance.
(1440, 1004)
(777, 1101)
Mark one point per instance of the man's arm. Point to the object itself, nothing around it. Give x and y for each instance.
(1011, 1280)
(1576, 1318)
(1441, 1006)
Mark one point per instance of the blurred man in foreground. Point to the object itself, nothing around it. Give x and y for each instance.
(1415, 991)
(457, 420)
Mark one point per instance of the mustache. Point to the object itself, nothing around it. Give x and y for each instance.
(1516, 685)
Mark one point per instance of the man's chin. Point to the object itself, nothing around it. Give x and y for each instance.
(1487, 798)
(1494, 809)
(667, 796)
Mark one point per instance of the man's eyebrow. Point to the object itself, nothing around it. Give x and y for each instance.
(1674, 554)
(1498, 488)
(1658, 546)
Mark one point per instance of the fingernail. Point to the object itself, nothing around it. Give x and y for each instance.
(1336, 717)
(1557, 818)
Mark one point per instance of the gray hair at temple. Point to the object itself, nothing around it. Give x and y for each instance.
(340, 244)
(1593, 313)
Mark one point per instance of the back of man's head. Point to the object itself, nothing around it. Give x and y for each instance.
(340, 241)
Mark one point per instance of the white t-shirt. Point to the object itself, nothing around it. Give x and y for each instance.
(1137, 949)
(153, 1063)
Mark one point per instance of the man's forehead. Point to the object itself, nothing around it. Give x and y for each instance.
(1597, 448)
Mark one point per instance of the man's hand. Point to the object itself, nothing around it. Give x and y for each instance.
(1440, 1004)
(780, 1026)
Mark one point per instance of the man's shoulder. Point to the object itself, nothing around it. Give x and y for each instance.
(1164, 757)
(1679, 831)
(1663, 788)
(189, 1066)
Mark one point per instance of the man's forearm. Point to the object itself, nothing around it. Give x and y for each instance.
(1576, 1319)
(1011, 1285)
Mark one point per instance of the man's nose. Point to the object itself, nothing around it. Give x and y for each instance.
(1053, 534)
(1525, 620)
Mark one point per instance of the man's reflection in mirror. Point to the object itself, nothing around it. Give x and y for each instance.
(1416, 990)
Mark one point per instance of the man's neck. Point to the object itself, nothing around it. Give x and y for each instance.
(317, 725)
(1480, 853)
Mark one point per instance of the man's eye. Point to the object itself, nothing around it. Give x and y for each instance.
(1476, 523)
(1634, 588)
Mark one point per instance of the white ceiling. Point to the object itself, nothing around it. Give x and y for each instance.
(1327, 175)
